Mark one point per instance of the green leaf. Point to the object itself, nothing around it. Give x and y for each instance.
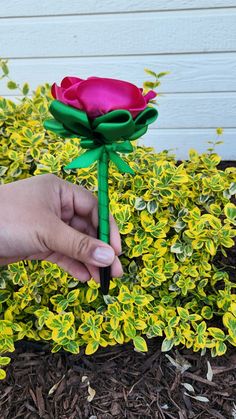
(173, 321)
(12, 85)
(216, 333)
(91, 294)
(149, 84)
(133, 268)
(154, 330)
(152, 207)
(140, 344)
(141, 300)
(210, 247)
(167, 344)
(62, 306)
(108, 299)
(72, 347)
(207, 312)
(2, 374)
(4, 295)
(220, 348)
(219, 131)
(56, 348)
(150, 72)
(72, 296)
(139, 204)
(25, 89)
(91, 347)
(3, 170)
(230, 211)
(118, 336)
(129, 330)
(163, 73)
(4, 68)
(201, 328)
(232, 188)
(183, 313)
(5, 360)
(137, 250)
(177, 248)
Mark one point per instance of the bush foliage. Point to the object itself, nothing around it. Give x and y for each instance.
(174, 219)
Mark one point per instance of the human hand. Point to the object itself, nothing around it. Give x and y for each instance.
(47, 218)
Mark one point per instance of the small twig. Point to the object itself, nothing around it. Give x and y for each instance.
(174, 403)
(227, 266)
(220, 370)
(175, 382)
(200, 379)
(130, 391)
(170, 416)
(160, 410)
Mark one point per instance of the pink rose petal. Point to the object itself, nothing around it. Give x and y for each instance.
(98, 95)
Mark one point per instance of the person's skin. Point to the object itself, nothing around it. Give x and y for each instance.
(47, 218)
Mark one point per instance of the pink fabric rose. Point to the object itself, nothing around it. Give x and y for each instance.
(98, 96)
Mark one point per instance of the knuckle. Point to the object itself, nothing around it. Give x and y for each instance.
(42, 241)
(82, 246)
(49, 176)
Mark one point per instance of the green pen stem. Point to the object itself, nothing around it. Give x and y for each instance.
(103, 215)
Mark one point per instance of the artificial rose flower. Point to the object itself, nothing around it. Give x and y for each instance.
(98, 96)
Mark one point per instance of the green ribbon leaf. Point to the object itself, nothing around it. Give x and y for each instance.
(111, 132)
(90, 156)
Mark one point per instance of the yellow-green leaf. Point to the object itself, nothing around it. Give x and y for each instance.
(5, 360)
(230, 211)
(220, 348)
(210, 247)
(91, 347)
(91, 294)
(216, 333)
(140, 344)
(2, 374)
(129, 329)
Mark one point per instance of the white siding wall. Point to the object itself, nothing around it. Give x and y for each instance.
(193, 39)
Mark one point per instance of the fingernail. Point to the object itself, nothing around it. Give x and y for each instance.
(104, 255)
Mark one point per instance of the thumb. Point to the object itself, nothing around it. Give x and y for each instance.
(66, 240)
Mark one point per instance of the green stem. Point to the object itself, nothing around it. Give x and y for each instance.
(103, 216)
(103, 199)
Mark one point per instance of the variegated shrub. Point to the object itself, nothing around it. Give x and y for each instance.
(175, 219)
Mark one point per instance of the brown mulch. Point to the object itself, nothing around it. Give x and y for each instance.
(121, 383)
(117, 382)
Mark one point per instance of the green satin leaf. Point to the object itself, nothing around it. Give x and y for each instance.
(114, 125)
(57, 127)
(146, 117)
(92, 155)
(123, 147)
(86, 159)
(104, 131)
(86, 143)
(72, 119)
(138, 133)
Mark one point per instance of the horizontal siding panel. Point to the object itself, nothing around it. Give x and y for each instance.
(182, 140)
(121, 34)
(188, 73)
(197, 110)
(209, 110)
(63, 7)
